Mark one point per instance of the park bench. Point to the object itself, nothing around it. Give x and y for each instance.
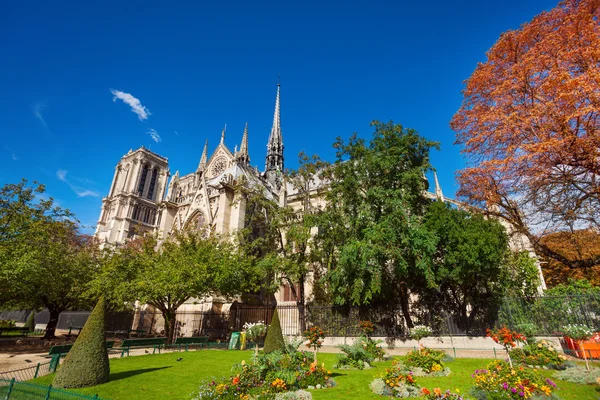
(23, 330)
(186, 342)
(127, 332)
(63, 349)
(155, 343)
(77, 328)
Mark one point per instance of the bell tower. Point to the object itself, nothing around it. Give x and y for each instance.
(131, 207)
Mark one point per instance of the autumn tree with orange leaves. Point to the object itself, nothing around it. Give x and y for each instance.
(530, 128)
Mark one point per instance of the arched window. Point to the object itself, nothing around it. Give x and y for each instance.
(143, 179)
(152, 183)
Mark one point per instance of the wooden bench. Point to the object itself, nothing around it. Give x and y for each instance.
(190, 341)
(77, 328)
(23, 330)
(155, 343)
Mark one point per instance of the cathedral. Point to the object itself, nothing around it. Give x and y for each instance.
(142, 199)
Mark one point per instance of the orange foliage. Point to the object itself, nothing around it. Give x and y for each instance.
(530, 126)
(580, 245)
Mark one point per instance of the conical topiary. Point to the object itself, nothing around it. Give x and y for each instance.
(274, 340)
(30, 323)
(87, 362)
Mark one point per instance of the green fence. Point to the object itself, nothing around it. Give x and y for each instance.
(549, 314)
(14, 390)
(35, 371)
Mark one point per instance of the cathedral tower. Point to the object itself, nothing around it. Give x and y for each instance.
(274, 161)
(131, 207)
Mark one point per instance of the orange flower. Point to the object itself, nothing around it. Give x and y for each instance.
(437, 391)
(425, 392)
(236, 380)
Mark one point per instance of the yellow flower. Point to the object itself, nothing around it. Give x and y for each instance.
(457, 390)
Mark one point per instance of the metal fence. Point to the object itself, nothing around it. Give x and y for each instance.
(14, 390)
(35, 371)
(548, 314)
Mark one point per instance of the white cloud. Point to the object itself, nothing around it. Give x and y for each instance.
(61, 174)
(13, 155)
(154, 135)
(38, 107)
(133, 102)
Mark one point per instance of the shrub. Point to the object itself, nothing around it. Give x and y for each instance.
(30, 323)
(87, 362)
(500, 381)
(297, 395)
(6, 323)
(579, 375)
(292, 343)
(274, 340)
(275, 375)
(366, 327)
(315, 336)
(361, 354)
(429, 360)
(577, 332)
(437, 393)
(397, 382)
(420, 332)
(529, 330)
(540, 354)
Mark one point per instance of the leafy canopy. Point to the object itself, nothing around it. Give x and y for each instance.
(372, 225)
(530, 127)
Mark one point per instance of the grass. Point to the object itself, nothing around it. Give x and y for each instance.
(155, 377)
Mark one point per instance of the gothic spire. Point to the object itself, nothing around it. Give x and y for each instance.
(274, 161)
(438, 189)
(223, 134)
(243, 153)
(204, 157)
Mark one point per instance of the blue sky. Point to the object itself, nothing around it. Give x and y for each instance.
(197, 66)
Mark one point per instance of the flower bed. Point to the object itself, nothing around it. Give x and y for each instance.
(397, 381)
(539, 354)
(426, 362)
(500, 381)
(269, 377)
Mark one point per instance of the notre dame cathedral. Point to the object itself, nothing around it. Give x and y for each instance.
(141, 199)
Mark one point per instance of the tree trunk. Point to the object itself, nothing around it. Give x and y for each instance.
(405, 306)
(169, 317)
(301, 306)
(51, 327)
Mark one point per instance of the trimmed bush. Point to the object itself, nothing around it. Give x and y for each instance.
(87, 362)
(30, 323)
(274, 340)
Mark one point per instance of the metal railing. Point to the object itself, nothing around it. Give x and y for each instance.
(13, 389)
(35, 371)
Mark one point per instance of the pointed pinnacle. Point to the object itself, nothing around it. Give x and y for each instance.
(438, 189)
(223, 134)
(204, 157)
(275, 135)
(244, 145)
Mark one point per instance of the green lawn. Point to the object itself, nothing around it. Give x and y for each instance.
(162, 377)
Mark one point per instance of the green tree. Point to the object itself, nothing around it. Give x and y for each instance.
(188, 264)
(468, 265)
(371, 232)
(87, 362)
(278, 238)
(44, 260)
